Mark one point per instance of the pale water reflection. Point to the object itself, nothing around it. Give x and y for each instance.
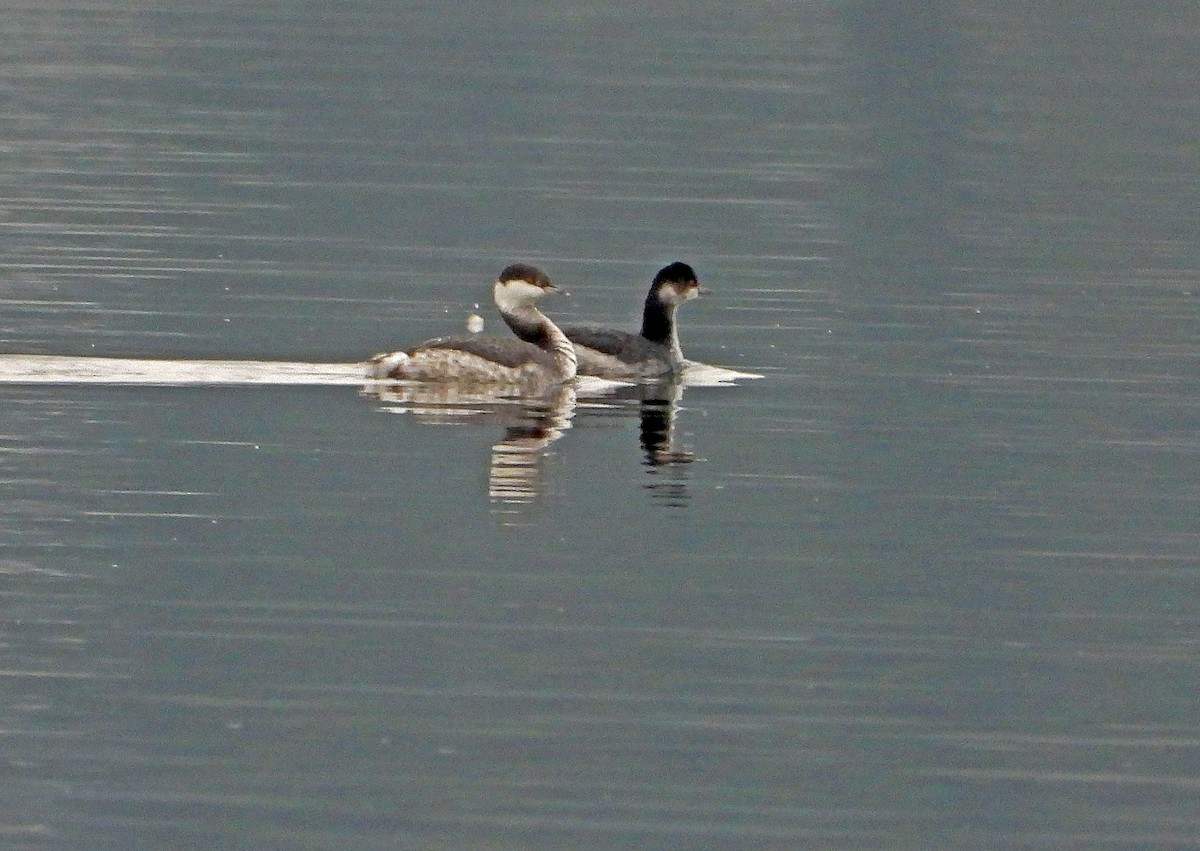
(528, 424)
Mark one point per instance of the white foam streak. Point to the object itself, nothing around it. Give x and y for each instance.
(57, 369)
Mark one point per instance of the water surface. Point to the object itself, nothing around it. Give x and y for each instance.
(930, 582)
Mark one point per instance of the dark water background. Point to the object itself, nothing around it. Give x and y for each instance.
(932, 582)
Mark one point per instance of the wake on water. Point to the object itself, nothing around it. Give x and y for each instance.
(60, 369)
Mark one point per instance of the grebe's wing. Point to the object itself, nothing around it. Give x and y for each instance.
(506, 351)
(610, 341)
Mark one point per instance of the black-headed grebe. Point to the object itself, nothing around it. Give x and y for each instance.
(610, 353)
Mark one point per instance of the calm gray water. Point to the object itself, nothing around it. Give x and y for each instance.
(932, 582)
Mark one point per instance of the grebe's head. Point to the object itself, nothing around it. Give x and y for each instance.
(675, 284)
(521, 285)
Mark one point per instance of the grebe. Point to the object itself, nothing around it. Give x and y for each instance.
(609, 353)
(543, 354)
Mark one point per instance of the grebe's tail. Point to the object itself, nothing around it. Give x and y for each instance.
(388, 365)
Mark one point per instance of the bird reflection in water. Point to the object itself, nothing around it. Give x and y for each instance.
(533, 419)
(515, 472)
(531, 422)
(665, 461)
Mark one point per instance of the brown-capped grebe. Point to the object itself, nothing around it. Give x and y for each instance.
(543, 354)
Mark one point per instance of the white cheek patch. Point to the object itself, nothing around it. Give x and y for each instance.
(510, 295)
(672, 294)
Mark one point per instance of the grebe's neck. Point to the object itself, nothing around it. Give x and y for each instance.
(533, 326)
(658, 325)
